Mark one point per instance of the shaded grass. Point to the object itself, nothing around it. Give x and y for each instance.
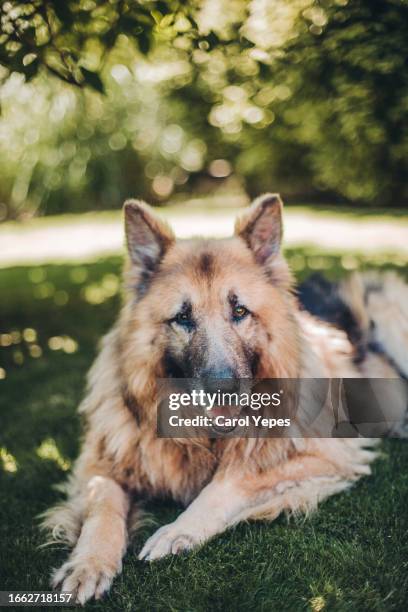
(351, 555)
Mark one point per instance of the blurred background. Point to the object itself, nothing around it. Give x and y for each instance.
(196, 107)
(105, 99)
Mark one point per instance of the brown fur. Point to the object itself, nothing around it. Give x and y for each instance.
(226, 480)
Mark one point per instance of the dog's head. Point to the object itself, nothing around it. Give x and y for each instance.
(210, 308)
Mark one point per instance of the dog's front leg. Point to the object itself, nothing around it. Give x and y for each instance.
(296, 485)
(217, 507)
(97, 556)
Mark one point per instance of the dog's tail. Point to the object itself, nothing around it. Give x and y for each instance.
(379, 305)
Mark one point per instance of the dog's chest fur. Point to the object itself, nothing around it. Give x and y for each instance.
(165, 467)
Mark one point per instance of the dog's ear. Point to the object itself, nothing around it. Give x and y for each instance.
(147, 236)
(261, 227)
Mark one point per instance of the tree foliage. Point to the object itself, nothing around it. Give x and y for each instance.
(71, 38)
(305, 96)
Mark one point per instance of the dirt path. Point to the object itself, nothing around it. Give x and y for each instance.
(91, 235)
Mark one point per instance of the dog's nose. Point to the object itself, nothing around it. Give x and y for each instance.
(219, 379)
(218, 373)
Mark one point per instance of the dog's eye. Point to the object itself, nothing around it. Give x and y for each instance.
(184, 319)
(239, 312)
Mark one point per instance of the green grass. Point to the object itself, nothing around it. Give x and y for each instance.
(351, 555)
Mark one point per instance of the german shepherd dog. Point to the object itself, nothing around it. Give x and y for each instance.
(224, 309)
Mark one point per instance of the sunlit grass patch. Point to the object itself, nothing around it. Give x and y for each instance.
(78, 274)
(9, 462)
(317, 604)
(35, 351)
(29, 334)
(37, 275)
(63, 343)
(97, 293)
(49, 450)
(44, 290)
(6, 340)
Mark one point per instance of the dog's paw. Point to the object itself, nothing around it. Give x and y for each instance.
(85, 578)
(171, 539)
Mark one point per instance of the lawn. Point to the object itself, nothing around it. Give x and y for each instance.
(351, 555)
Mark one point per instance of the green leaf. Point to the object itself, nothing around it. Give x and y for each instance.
(157, 16)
